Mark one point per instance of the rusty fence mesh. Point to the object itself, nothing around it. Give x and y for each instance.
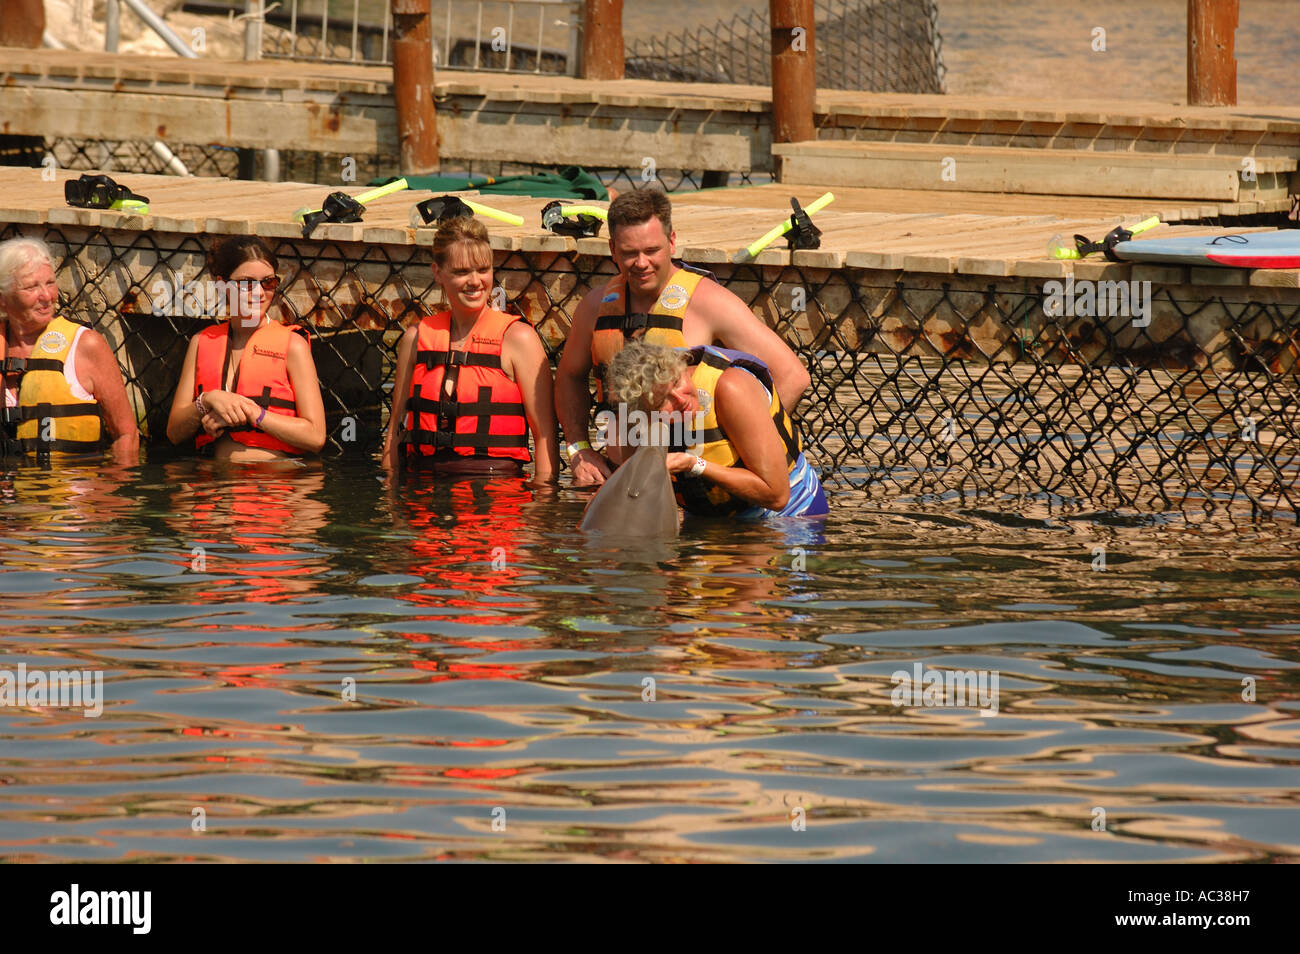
(884, 46)
(922, 386)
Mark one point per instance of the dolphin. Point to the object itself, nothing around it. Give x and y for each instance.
(637, 501)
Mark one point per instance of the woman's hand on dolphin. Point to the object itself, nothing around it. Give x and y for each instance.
(680, 463)
(588, 468)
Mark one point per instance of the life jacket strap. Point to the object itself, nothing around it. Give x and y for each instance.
(23, 365)
(453, 359)
(636, 321)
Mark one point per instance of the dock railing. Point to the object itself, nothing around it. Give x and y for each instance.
(512, 36)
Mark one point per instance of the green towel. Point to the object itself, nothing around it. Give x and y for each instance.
(568, 182)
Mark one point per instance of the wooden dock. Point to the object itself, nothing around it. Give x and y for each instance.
(348, 110)
(976, 234)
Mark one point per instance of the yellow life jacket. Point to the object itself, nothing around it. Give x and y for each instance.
(704, 497)
(48, 416)
(662, 325)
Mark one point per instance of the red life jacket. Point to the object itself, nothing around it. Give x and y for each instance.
(262, 375)
(485, 417)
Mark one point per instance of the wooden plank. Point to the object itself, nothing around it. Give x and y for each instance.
(837, 148)
(1033, 172)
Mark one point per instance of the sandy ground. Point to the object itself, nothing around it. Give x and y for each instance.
(79, 25)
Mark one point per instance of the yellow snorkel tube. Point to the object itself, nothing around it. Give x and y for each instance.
(1083, 247)
(752, 250)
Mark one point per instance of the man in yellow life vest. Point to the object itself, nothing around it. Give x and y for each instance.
(63, 390)
(654, 300)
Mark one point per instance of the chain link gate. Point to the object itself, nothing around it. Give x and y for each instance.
(923, 387)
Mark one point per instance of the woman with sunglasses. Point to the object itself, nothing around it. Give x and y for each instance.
(248, 390)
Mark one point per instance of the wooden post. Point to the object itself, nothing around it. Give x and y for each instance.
(602, 40)
(417, 127)
(794, 71)
(22, 23)
(1211, 68)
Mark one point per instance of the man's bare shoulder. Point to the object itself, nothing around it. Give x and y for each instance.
(711, 294)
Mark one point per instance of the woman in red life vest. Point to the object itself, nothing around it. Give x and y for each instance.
(248, 388)
(472, 382)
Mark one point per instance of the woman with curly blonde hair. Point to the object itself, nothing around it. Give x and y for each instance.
(747, 460)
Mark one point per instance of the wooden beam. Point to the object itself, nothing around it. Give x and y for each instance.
(794, 70)
(1211, 68)
(602, 40)
(413, 86)
(942, 168)
(22, 23)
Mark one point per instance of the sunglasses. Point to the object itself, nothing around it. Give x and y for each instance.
(269, 284)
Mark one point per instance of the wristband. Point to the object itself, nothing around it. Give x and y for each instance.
(697, 468)
(572, 449)
(258, 422)
(202, 408)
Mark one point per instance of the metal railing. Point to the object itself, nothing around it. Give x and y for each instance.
(513, 36)
(112, 27)
(112, 35)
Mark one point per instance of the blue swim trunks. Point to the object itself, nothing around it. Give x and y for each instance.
(807, 499)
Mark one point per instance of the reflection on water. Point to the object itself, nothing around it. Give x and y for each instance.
(334, 668)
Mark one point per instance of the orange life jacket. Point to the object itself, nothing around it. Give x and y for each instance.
(485, 417)
(262, 375)
(615, 326)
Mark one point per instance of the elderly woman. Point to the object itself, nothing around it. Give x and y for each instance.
(749, 462)
(63, 390)
(248, 390)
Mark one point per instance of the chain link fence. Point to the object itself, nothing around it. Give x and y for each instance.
(884, 46)
(136, 155)
(921, 387)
